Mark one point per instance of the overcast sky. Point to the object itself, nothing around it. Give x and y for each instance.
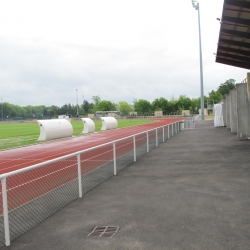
(120, 50)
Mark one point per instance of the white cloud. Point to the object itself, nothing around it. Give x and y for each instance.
(117, 49)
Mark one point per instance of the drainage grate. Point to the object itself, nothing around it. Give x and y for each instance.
(103, 231)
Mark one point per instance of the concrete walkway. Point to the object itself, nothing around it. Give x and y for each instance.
(192, 192)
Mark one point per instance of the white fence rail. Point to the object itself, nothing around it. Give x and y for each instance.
(32, 194)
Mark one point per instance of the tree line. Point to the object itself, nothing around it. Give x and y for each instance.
(141, 106)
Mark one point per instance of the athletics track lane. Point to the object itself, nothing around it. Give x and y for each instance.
(22, 157)
(27, 186)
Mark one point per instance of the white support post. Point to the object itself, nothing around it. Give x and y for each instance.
(168, 131)
(163, 134)
(172, 129)
(178, 127)
(114, 154)
(79, 175)
(5, 212)
(147, 143)
(134, 149)
(156, 137)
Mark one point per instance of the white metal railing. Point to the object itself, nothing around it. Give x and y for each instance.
(161, 134)
(189, 123)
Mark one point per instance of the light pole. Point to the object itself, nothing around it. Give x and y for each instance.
(2, 107)
(197, 7)
(76, 103)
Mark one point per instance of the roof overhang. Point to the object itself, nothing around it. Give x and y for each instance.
(234, 38)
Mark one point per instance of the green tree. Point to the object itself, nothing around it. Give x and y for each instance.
(86, 106)
(173, 106)
(81, 111)
(96, 99)
(53, 111)
(183, 103)
(142, 107)
(195, 105)
(214, 96)
(105, 106)
(161, 104)
(226, 87)
(124, 108)
(64, 110)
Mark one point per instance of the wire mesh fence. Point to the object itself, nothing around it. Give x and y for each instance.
(189, 122)
(31, 195)
(35, 195)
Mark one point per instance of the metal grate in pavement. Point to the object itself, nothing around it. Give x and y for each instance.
(103, 231)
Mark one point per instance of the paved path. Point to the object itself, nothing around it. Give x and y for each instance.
(192, 192)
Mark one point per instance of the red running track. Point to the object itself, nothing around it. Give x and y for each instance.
(27, 186)
(18, 158)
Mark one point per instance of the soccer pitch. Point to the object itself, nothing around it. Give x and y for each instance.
(26, 133)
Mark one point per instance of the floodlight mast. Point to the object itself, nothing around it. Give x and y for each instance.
(196, 6)
(2, 107)
(76, 103)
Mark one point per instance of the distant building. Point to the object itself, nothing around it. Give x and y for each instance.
(107, 113)
(158, 113)
(185, 112)
(63, 117)
(205, 112)
(132, 113)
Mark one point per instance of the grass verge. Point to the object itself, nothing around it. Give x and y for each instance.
(21, 134)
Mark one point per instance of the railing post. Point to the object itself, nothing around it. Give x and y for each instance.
(172, 129)
(5, 212)
(168, 131)
(134, 148)
(114, 154)
(147, 143)
(156, 137)
(163, 134)
(79, 175)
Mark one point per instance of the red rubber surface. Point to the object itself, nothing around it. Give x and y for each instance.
(18, 158)
(29, 185)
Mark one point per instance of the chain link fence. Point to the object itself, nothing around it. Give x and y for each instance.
(30, 195)
(189, 122)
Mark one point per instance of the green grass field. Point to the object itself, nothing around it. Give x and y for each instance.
(21, 134)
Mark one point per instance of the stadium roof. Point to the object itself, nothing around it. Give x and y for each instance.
(234, 38)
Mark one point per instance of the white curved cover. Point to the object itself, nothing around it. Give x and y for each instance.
(109, 123)
(54, 129)
(218, 116)
(88, 125)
